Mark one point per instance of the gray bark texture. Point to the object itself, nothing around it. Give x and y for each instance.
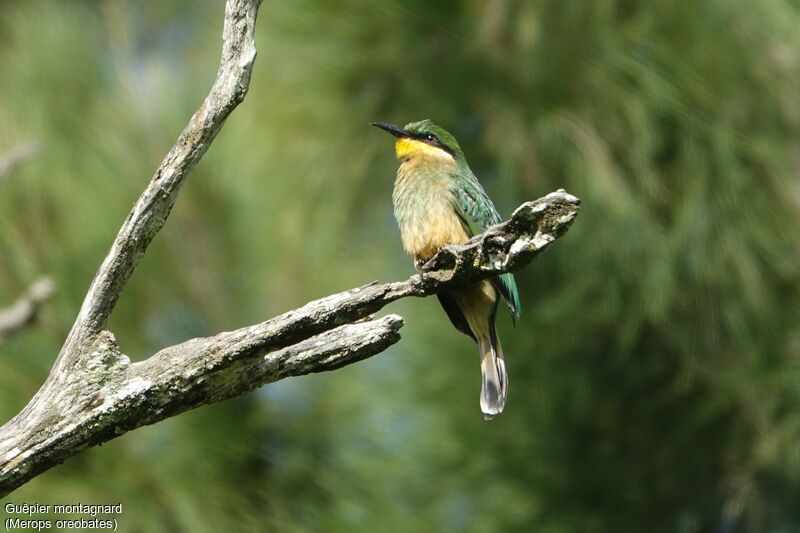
(95, 393)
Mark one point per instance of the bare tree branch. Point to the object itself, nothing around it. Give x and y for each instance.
(13, 158)
(112, 395)
(20, 314)
(78, 356)
(153, 207)
(119, 396)
(94, 393)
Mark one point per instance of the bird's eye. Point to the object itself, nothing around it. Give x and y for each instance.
(431, 138)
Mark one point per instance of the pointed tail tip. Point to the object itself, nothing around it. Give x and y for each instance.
(492, 402)
(494, 379)
(492, 410)
(489, 412)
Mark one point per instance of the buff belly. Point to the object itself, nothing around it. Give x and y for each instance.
(424, 211)
(423, 235)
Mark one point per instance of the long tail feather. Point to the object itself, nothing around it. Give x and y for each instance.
(494, 382)
(473, 310)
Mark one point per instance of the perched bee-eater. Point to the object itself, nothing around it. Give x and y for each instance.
(438, 201)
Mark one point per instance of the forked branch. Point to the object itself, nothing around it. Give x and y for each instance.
(95, 393)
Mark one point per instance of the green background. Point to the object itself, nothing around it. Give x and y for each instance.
(655, 374)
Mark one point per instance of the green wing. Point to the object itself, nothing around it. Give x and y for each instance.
(477, 212)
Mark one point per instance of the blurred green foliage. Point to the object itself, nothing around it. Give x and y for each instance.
(655, 375)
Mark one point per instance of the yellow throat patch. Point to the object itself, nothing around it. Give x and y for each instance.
(406, 148)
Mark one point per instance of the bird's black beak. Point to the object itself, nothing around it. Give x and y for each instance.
(391, 128)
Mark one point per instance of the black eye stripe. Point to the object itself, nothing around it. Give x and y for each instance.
(428, 138)
(433, 140)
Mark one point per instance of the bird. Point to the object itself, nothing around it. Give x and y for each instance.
(438, 201)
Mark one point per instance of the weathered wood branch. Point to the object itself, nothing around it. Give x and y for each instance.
(116, 396)
(112, 395)
(153, 207)
(77, 362)
(21, 313)
(95, 393)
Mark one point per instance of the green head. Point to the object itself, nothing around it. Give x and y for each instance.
(423, 138)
